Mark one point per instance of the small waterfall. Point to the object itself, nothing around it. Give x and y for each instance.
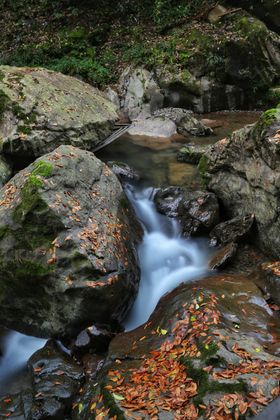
(166, 260)
(17, 349)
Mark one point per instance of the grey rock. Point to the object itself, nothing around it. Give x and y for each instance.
(223, 256)
(68, 248)
(192, 153)
(243, 171)
(185, 121)
(198, 213)
(56, 380)
(133, 86)
(5, 171)
(232, 230)
(123, 171)
(167, 200)
(153, 127)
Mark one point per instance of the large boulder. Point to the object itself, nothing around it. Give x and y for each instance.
(266, 10)
(159, 127)
(226, 60)
(67, 252)
(41, 109)
(204, 353)
(243, 171)
(185, 121)
(139, 92)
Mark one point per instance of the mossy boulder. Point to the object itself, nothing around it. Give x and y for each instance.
(228, 65)
(199, 346)
(243, 171)
(266, 10)
(67, 249)
(42, 109)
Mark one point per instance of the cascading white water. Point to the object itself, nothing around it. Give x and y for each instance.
(17, 349)
(166, 260)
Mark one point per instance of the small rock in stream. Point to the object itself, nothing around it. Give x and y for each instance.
(223, 256)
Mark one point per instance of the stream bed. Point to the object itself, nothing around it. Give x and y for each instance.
(166, 259)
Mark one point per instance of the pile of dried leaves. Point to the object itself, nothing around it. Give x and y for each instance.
(162, 382)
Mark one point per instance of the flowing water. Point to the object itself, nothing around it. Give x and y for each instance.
(166, 260)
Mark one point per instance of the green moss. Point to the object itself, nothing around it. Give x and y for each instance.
(273, 96)
(21, 272)
(110, 403)
(24, 129)
(4, 103)
(267, 119)
(3, 231)
(2, 76)
(43, 168)
(203, 169)
(208, 350)
(249, 27)
(207, 386)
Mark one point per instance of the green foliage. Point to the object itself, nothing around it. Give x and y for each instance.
(4, 102)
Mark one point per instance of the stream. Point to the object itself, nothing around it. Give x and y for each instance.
(166, 260)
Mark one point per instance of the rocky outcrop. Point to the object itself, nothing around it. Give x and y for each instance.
(54, 380)
(223, 256)
(234, 230)
(41, 109)
(159, 127)
(139, 92)
(192, 153)
(185, 121)
(267, 277)
(197, 211)
(67, 250)
(198, 356)
(243, 171)
(266, 10)
(224, 62)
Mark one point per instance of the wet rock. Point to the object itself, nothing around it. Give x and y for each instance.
(220, 357)
(198, 213)
(167, 200)
(17, 406)
(55, 109)
(56, 381)
(5, 171)
(232, 230)
(124, 172)
(223, 256)
(133, 87)
(153, 127)
(185, 121)
(243, 171)
(267, 277)
(192, 153)
(68, 247)
(92, 340)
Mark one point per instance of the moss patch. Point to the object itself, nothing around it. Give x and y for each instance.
(30, 198)
(4, 103)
